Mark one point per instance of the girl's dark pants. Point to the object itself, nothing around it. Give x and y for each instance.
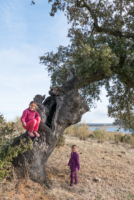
(73, 176)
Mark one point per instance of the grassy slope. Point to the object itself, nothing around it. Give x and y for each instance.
(112, 164)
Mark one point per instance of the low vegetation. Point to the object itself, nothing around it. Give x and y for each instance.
(92, 156)
(82, 132)
(100, 134)
(9, 130)
(61, 141)
(7, 152)
(106, 173)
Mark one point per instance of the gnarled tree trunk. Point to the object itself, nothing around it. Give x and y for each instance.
(62, 108)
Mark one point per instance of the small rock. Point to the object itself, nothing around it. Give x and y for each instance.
(123, 152)
(71, 198)
(105, 178)
(96, 180)
(120, 155)
(27, 186)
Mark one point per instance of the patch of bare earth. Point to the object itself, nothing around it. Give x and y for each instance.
(23, 189)
(107, 171)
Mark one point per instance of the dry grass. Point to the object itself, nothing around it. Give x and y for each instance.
(110, 163)
(132, 142)
(101, 134)
(23, 189)
(81, 131)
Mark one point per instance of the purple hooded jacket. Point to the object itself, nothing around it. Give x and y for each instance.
(74, 161)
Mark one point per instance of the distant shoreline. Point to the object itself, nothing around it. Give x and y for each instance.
(104, 126)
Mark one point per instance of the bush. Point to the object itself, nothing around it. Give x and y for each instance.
(126, 138)
(91, 135)
(81, 131)
(100, 134)
(61, 141)
(18, 128)
(18, 125)
(132, 142)
(7, 152)
(118, 138)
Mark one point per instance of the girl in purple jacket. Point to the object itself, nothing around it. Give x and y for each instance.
(31, 119)
(74, 165)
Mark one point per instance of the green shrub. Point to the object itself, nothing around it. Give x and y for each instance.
(126, 138)
(118, 138)
(132, 142)
(91, 135)
(132, 134)
(61, 141)
(7, 152)
(6, 157)
(81, 131)
(18, 125)
(100, 134)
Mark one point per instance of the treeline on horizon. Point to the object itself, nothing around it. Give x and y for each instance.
(100, 124)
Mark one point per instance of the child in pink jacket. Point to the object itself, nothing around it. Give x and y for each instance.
(31, 119)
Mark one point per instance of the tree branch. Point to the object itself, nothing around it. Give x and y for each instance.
(102, 29)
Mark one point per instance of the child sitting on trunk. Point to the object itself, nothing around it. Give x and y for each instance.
(31, 119)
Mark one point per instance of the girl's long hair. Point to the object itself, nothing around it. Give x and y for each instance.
(34, 102)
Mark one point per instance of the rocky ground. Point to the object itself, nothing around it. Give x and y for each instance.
(107, 173)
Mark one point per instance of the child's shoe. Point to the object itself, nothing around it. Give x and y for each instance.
(31, 134)
(70, 185)
(36, 134)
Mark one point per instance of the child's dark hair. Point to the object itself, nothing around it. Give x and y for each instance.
(34, 102)
(74, 146)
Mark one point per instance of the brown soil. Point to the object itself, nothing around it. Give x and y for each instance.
(107, 173)
(23, 189)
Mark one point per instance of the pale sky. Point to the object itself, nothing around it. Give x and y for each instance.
(28, 32)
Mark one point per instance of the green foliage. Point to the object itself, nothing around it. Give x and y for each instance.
(6, 157)
(6, 133)
(81, 131)
(118, 138)
(130, 197)
(132, 142)
(18, 125)
(100, 134)
(61, 141)
(100, 53)
(127, 138)
(7, 151)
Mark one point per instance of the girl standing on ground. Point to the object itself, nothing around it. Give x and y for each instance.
(74, 165)
(31, 119)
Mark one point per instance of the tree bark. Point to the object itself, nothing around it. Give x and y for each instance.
(64, 107)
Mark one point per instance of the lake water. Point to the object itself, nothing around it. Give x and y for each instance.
(110, 129)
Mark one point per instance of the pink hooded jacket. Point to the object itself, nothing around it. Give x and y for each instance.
(29, 115)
